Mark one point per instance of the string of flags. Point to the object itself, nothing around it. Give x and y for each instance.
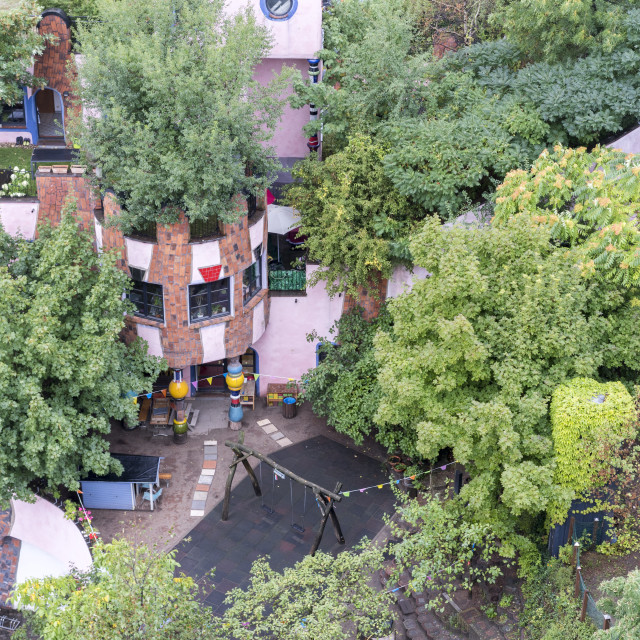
(346, 494)
(209, 379)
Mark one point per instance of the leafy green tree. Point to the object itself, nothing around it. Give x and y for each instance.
(371, 73)
(586, 199)
(354, 220)
(442, 551)
(172, 115)
(19, 43)
(622, 601)
(130, 592)
(556, 29)
(344, 386)
(78, 8)
(476, 350)
(321, 597)
(64, 371)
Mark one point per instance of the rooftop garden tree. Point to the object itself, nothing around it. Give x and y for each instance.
(476, 350)
(20, 42)
(64, 371)
(171, 114)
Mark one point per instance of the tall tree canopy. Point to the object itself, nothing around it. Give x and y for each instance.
(587, 199)
(171, 112)
(476, 350)
(133, 592)
(64, 372)
(447, 131)
(20, 42)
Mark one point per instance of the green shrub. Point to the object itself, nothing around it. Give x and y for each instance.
(587, 417)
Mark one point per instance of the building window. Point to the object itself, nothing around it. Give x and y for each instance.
(209, 300)
(146, 296)
(278, 9)
(252, 277)
(13, 116)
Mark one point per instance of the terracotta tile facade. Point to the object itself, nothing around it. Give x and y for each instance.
(9, 556)
(55, 190)
(53, 63)
(370, 302)
(171, 266)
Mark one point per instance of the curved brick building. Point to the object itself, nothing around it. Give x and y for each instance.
(201, 294)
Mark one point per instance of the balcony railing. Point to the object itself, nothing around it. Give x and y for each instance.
(201, 229)
(293, 280)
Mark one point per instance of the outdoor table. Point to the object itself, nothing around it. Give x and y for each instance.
(160, 411)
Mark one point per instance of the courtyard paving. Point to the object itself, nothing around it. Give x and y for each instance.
(270, 525)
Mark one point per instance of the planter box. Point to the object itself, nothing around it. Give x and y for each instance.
(45, 169)
(78, 169)
(60, 168)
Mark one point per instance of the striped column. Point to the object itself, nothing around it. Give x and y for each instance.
(314, 74)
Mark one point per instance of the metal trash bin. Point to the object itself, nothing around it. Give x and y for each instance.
(289, 407)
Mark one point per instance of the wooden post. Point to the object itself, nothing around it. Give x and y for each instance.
(572, 522)
(583, 612)
(576, 546)
(607, 622)
(325, 514)
(576, 593)
(238, 457)
(334, 517)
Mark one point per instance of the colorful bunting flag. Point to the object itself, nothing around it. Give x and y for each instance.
(256, 376)
(195, 385)
(135, 401)
(379, 486)
(210, 380)
(164, 393)
(148, 395)
(346, 494)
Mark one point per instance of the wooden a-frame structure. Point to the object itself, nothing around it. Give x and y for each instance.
(324, 497)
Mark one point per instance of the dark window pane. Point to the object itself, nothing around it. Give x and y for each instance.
(147, 298)
(209, 300)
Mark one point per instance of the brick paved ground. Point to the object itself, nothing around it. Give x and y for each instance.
(252, 531)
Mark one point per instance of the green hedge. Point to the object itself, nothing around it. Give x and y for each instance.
(584, 430)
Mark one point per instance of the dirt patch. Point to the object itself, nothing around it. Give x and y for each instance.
(596, 568)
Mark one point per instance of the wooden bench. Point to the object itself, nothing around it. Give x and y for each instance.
(143, 416)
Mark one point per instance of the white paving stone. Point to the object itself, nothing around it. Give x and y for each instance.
(284, 442)
(210, 443)
(277, 435)
(262, 423)
(200, 495)
(208, 472)
(205, 479)
(269, 429)
(197, 513)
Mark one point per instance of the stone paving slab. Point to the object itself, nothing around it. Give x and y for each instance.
(262, 423)
(284, 442)
(230, 547)
(277, 435)
(269, 428)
